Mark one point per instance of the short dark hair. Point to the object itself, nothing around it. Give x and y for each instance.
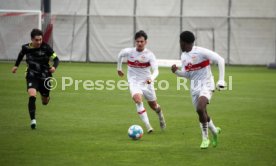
(187, 37)
(141, 33)
(36, 32)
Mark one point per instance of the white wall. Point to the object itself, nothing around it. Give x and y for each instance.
(112, 24)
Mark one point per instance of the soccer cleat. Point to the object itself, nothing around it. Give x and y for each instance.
(161, 120)
(205, 143)
(215, 137)
(45, 101)
(149, 129)
(33, 124)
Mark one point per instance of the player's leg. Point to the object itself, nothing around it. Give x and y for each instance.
(156, 107)
(203, 119)
(201, 110)
(211, 124)
(31, 86)
(214, 130)
(137, 98)
(150, 95)
(44, 89)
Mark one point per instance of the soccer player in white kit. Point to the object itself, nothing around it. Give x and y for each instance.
(140, 61)
(196, 67)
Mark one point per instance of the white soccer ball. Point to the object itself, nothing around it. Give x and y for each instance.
(135, 132)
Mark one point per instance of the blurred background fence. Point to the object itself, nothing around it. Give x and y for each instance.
(241, 31)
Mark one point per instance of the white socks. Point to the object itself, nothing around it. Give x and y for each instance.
(212, 127)
(204, 130)
(142, 113)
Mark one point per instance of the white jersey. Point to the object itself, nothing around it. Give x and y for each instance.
(139, 65)
(196, 67)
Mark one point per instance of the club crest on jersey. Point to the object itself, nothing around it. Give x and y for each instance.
(143, 59)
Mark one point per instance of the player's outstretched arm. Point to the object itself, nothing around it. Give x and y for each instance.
(155, 70)
(177, 72)
(215, 57)
(56, 63)
(154, 75)
(121, 56)
(18, 60)
(221, 65)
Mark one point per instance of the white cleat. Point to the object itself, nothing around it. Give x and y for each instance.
(149, 128)
(33, 124)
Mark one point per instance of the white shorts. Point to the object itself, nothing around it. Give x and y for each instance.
(147, 90)
(196, 94)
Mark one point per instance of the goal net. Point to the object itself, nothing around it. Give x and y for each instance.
(15, 29)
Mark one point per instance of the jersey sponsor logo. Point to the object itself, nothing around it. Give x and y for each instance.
(138, 64)
(191, 67)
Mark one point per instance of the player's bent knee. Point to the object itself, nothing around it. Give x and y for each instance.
(32, 92)
(137, 98)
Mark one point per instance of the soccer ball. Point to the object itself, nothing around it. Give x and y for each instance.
(135, 132)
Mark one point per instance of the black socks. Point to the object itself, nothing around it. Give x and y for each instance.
(31, 107)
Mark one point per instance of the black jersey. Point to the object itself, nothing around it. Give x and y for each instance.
(37, 59)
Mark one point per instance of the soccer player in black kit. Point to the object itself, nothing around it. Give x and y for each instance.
(39, 71)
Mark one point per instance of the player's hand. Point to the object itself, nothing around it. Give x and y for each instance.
(120, 73)
(149, 81)
(52, 69)
(14, 69)
(221, 85)
(174, 68)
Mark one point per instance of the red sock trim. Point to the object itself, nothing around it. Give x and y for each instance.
(141, 112)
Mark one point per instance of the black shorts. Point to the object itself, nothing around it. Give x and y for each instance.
(41, 85)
